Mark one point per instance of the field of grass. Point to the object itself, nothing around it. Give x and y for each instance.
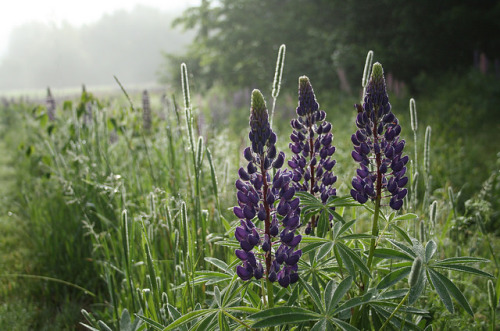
(116, 215)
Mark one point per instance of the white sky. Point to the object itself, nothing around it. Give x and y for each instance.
(75, 12)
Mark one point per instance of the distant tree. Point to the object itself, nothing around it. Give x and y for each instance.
(237, 40)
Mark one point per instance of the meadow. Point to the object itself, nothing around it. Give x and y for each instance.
(118, 211)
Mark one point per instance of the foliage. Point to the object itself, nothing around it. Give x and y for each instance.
(236, 40)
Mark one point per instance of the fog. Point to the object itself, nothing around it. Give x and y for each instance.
(128, 44)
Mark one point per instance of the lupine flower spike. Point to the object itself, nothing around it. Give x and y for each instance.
(312, 162)
(262, 199)
(377, 147)
(51, 105)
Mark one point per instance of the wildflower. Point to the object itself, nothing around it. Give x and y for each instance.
(377, 147)
(269, 200)
(312, 162)
(50, 103)
(146, 111)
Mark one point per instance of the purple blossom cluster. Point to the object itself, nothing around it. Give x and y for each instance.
(268, 200)
(378, 147)
(312, 148)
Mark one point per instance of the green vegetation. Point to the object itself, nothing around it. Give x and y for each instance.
(117, 211)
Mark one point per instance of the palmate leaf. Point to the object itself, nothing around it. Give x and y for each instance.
(430, 249)
(323, 325)
(402, 233)
(417, 290)
(389, 253)
(348, 253)
(315, 296)
(393, 277)
(461, 259)
(334, 295)
(464, 268)
(282, 316)
(184, 319)
(441, 290)
(453, 290)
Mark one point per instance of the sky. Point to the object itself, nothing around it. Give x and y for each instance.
(77, 13)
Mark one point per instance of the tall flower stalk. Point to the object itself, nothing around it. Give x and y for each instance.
(312, 162)
(378, 150)
(262, 199)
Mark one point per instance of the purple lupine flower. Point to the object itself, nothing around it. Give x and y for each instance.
(312, 162)
(268, 200)
(50, 103)
(378, 147)
(146, 111)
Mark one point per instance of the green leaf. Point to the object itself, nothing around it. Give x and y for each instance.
(323, 224)
(346, 227)
(441, 290)
(323, 325)
(323, 250)
(402, 233)
(454, 291)
(283, 315)
(430, 249)
(184, 319)
(404, 248)
(346, 260)
(217, 296)
(223, 325)
(405, 217)
(461, 259)
(313, 294)
(219, 264)
(463, 268)
(313, 239)
(243, 309)
(393, 277)
(206, 322)
(311, 247)
(343, 325)
(354, 302)
(389, 253)
(339, 293)
(148, 321)
(355, 258)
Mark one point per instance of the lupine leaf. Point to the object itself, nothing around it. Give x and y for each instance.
(323, 325)
(461, 259)
(402, 233)
(324, 250)
(223, 325)
(463, 268)
(393, 277)
(346, 260)
(283, 315)
(355, 258)
(430, 249)
(328, 294)
(346, 227)
(441, 290)
(243, 309)
(206, 323)
(404, 248)
(313, 294)
(343, 325)
(217, 296)
(219, 264)
(184, 319)
(339, 293)
(148, 321)
(405, 217)
(454, 291)
(354, 302)
(311, 247)
(388, 253)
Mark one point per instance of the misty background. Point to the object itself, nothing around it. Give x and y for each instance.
(130, 44)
